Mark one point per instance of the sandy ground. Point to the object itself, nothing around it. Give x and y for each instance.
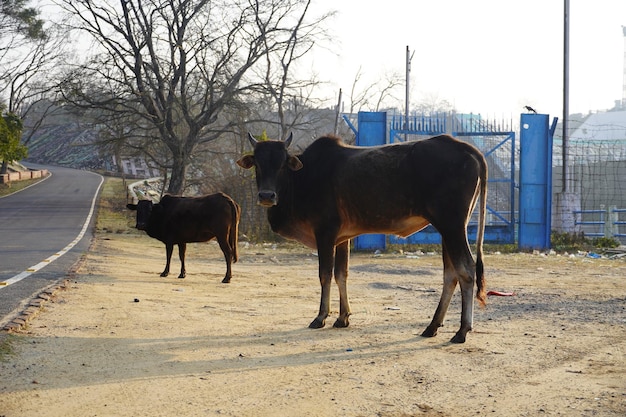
(121, 341)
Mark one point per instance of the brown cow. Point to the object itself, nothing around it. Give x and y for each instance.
(333, 192)
(181, 220)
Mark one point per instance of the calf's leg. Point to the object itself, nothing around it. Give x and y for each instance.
(342, 255)
(169, 248)
(228, 255)
(182, 248)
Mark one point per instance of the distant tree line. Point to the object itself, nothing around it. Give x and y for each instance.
(20, 27)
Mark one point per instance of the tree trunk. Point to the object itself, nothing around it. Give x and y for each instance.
(178, 177)
(118, 156)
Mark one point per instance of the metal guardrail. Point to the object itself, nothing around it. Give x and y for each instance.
(142, 190)
(603, 222)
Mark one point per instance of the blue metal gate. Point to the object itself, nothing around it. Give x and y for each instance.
(497, 142)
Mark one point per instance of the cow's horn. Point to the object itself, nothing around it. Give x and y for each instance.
(288, 140)
(252, 140)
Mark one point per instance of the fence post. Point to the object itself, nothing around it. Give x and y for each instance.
(535, 197)
(610, 225)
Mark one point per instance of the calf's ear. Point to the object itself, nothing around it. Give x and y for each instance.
(246, 162)
(131, 206)
(294, 163)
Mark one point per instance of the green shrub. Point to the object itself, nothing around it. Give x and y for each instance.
(605, 242)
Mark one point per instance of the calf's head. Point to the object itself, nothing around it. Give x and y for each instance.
(144, 209)
(269, 159)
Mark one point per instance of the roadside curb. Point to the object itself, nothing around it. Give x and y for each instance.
(34, 306)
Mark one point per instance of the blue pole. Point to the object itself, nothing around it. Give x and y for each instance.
(372, 131)
(535, 198)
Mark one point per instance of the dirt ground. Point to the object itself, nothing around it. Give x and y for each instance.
(121, 341)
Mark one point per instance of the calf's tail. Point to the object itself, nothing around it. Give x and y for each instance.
(481, 295)
(233, 235)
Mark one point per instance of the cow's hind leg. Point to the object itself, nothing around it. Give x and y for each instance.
(460, 267)
(342, 255)
(449, 285)
(228, 255)
(466, 271)
(169, 248)
(182, 248)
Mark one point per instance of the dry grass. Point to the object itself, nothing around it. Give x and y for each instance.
(14, 186)
(113, 216)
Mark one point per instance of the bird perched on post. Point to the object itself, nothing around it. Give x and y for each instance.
(530, 109)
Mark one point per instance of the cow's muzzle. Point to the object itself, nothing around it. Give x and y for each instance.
(141, 226)
(267, 198)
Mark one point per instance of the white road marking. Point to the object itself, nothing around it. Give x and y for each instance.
(47, 261)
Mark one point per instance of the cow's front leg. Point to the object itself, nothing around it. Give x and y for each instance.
(342, 255)
(182, 248)
(326, 260)
(169, 248)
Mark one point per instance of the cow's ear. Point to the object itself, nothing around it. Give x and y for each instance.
(131, 206)
(246, 162)
(294, 163)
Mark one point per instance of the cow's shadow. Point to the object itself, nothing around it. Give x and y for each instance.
(121, 359)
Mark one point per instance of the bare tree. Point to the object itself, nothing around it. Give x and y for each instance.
(23, 53)
(20, 24)
(374, 95)
(288, 93)
(177, 64)
(30, 79)
(431, 103)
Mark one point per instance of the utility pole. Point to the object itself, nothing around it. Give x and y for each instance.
(409, 58)
(565, 93)
(623, 107)
(337, 113)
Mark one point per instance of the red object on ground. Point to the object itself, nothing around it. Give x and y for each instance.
(501, 294)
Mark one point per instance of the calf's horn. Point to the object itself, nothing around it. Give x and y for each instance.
(252, 140)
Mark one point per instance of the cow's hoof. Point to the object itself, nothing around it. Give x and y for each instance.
(459, 337)
(341, 323)
(164, 274)
(181, 276)
(317, 324)
(430, 332)
(226, 280)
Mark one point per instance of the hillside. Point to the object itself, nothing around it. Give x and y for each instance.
(68, 145)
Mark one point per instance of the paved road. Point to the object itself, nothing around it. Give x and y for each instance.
(44, 230)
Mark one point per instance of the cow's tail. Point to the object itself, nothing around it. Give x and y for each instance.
(234, 229)
(481, 295)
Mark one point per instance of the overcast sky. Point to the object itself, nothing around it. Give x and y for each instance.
(483, 56)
